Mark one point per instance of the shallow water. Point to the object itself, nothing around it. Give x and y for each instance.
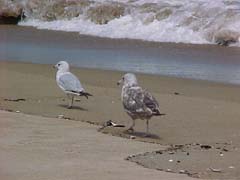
(212, 63)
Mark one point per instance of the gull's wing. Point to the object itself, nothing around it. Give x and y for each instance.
(151, 103)
(69, 82)
(139, 102)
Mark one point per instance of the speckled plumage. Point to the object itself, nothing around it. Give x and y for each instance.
(137, 102)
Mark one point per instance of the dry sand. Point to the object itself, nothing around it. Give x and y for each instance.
(202, 113)
(42, 148)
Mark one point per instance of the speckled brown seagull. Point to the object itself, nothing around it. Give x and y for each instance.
(69, 83)
(137, 102)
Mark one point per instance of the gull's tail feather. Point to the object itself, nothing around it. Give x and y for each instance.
(86, 94)
(156, 112)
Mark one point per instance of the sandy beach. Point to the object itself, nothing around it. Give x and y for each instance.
(185, 53)
(34, 147)
(202, 118)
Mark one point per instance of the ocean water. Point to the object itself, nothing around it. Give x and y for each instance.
(178, 21)
(207, 62)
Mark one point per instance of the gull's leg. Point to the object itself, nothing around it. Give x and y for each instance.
(70, 97)
(72, 100)
(147, 128)
(131, 127)
(147, 123)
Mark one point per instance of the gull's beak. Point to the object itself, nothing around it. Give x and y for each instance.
(55, 66)
(119, 82)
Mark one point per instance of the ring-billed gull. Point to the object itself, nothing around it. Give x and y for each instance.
(69, 83)
(137, 102)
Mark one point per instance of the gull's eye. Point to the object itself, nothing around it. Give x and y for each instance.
(58, 64)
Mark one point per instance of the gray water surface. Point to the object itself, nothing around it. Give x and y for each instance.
(213, 63)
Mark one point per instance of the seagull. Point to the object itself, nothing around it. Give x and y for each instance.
(137, 102)
(69, 83)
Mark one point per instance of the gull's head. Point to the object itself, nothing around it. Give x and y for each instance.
(62, 66)
(128, 79)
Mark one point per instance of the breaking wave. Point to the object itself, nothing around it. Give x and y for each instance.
(180, 21)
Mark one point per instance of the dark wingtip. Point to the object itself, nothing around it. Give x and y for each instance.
(86, 94)
(160, 114)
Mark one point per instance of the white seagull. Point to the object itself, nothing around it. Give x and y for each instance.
(69, 83)
(137, 102)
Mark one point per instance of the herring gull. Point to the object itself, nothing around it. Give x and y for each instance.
(69, 83)
(137, 102)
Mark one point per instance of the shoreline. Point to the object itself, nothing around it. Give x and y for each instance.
(201, 81)
(193, 84)
(197, 112)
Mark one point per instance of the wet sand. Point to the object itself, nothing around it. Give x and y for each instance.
(197, 112)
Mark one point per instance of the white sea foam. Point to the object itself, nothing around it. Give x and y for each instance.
(186, 21)
(124, 27)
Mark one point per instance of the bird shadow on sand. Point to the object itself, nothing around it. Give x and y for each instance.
(143, 135)
(73, 107)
